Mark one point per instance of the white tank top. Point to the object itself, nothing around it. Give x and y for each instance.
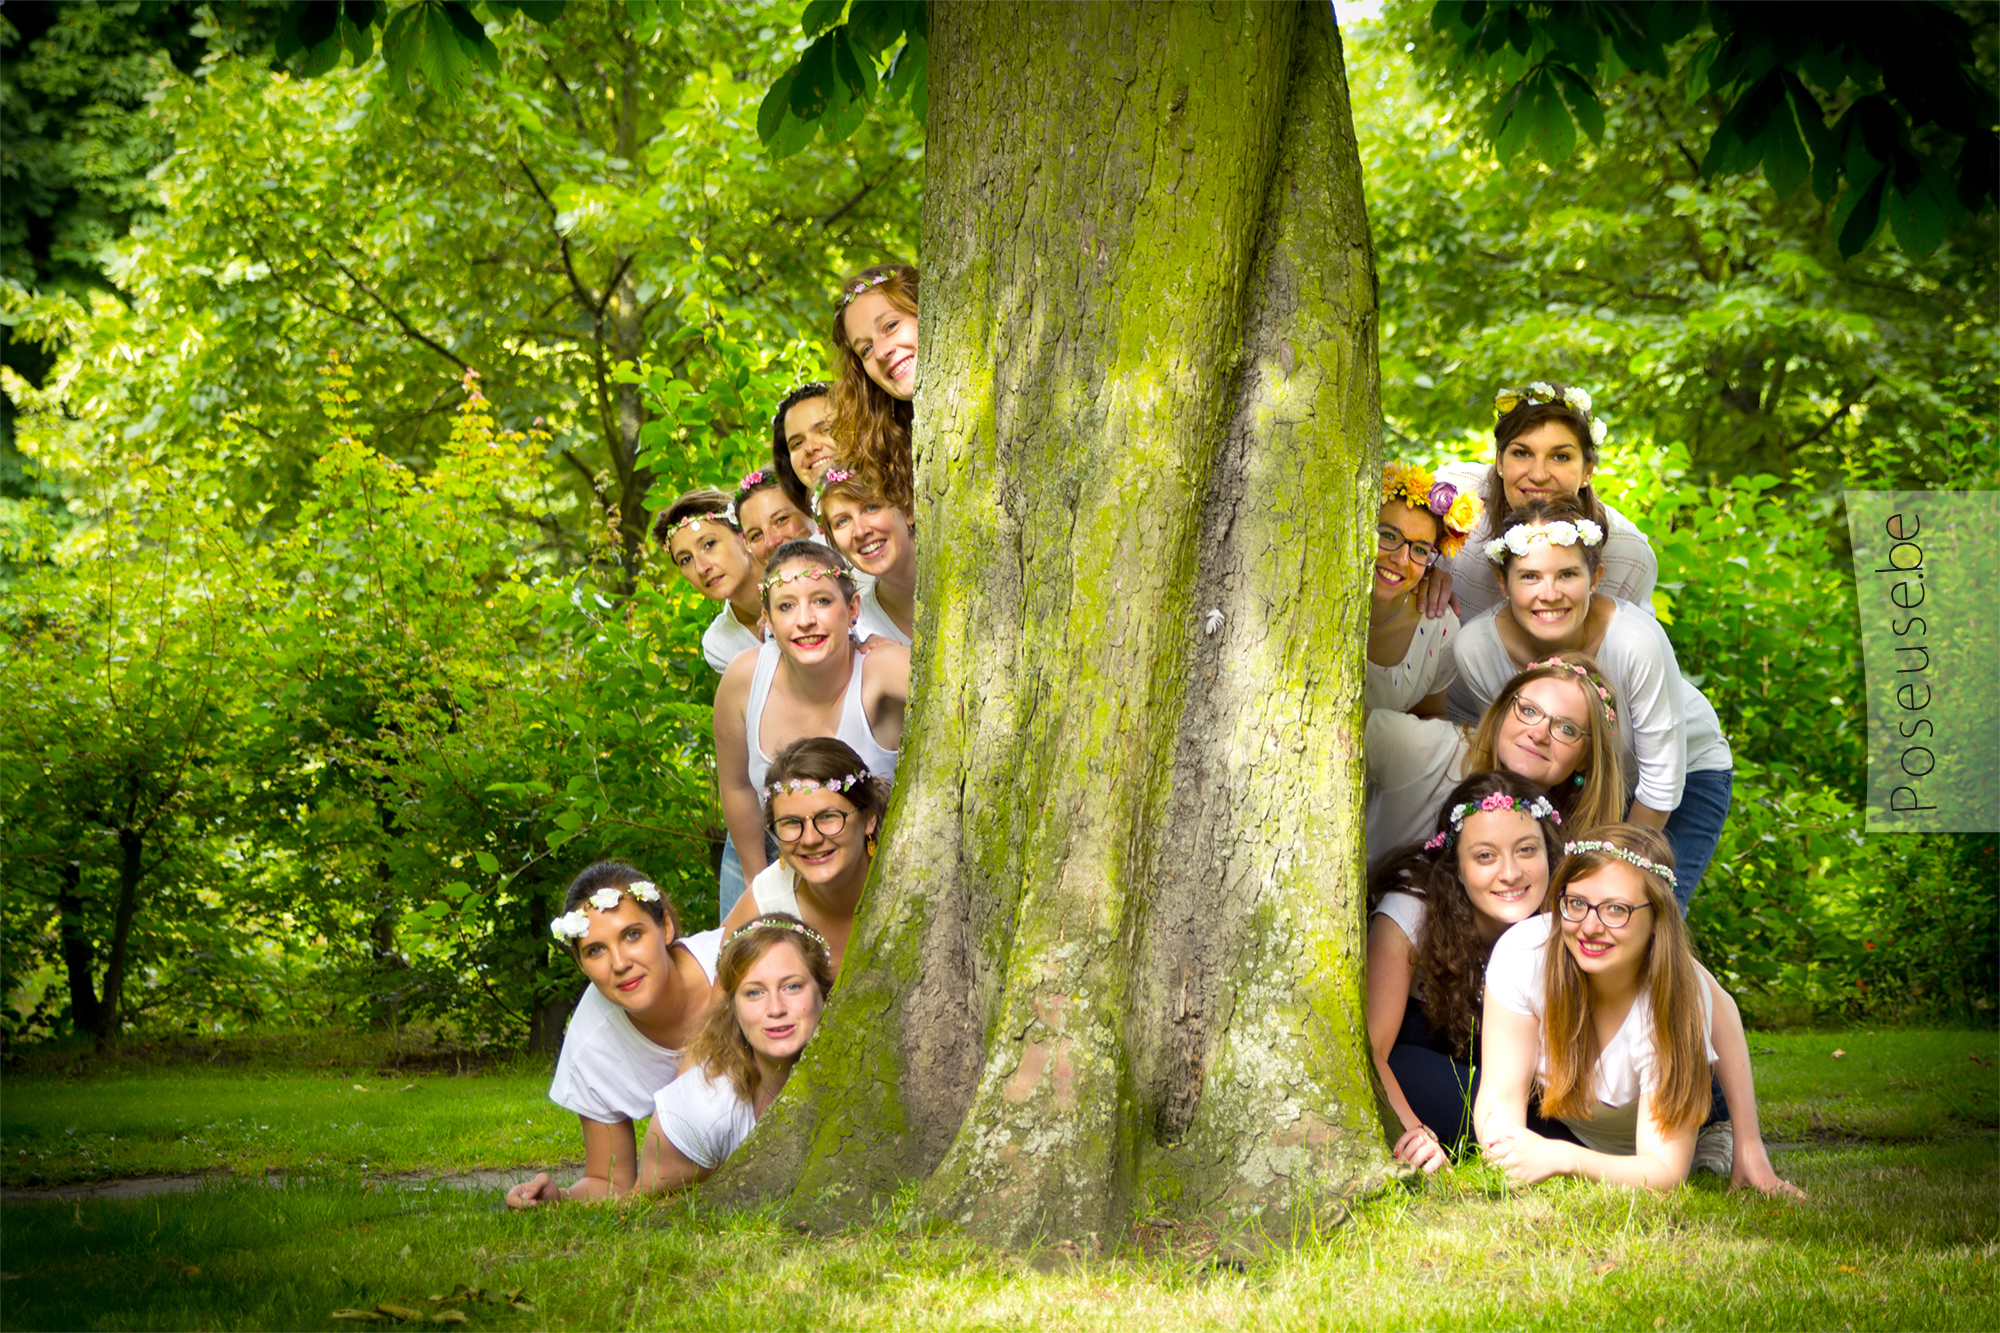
(854, 728)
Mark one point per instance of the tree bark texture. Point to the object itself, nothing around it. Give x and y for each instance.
(1111, 959)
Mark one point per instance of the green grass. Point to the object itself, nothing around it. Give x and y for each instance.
(1899, 1232)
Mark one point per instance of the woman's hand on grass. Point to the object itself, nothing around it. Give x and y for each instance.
(1419, 1147)
(1525, 1156)
(532, 1193)
(1753, 1170)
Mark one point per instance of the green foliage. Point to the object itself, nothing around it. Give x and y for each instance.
(1894, 106)
(439, 42)
(827, 92)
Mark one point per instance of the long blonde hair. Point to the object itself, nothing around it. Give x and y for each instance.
(1600, 799)
(1670, 978)
(870, 426)
(719, 1047)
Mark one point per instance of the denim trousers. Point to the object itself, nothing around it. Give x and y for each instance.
(1694, 829)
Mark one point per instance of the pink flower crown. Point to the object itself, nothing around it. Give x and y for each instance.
(1539, 808)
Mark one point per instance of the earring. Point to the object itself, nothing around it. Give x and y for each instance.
(1579, 779)
(871, 847)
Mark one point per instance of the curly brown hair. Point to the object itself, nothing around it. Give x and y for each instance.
(871, 426)
(1450, 963)
(719, 1048)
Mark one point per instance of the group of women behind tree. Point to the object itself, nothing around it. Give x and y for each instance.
(1545, 793)
(1540, 773)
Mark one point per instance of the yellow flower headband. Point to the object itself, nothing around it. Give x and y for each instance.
(1415, 487)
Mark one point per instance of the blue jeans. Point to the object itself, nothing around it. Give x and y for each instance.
(1694, 829)
(729, 886)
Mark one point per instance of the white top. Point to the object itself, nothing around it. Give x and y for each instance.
(853, 729)
(1630, 568)
(608, 1070)
(1667, 727)
(1629, 1063)
(1408, 912)
(1425, 669)
(775, 890)
(1412, 763)
(704, 1118)
(874, 620)
(726, 639)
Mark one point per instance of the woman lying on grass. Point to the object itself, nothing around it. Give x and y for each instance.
(1615, 1027)
(773, 976)
(1437, 909)
(649, 991)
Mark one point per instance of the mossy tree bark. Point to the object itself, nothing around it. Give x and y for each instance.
(1112, 956)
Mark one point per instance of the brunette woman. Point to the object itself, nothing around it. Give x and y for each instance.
(875, 342)
(825, 809)
(1546, 443)
(1420, 522)
(705, 548)
(649, 990)
(806, 680)
(879, 540)
(1677, 756)
(767, 516)
(802, 448)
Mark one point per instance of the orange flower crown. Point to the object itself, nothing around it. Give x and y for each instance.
(1417, 488)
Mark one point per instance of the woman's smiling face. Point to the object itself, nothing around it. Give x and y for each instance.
(1396, 573)
(821, 858)
(876, 537)
(1541, 464)
(806, 439)
(1533, 750)
(884, 339)
(1549, 590)
(810, 618)
(624, 953)
(712, 558)
(1597, 948)
(1504, 864)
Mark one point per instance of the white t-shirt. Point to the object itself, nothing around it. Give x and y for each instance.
(1412, 763)
(608, 1070)
(703, 1117)
(1629, 1064)
(1667, 727)
(726, 639)
(775, 890)
(1408, 912)
(1425, 669)
(1630, 568)
(873, 620)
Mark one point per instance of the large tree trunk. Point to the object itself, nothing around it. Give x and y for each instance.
(131, 869)
(79, 959)
(1112, 956)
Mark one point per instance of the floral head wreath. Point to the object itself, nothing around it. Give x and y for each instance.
(1562, 532)
(575, 925)
(1632, 858)
(754, 478)
(833, 477)
(727, 517)
(1589, 677)
(1539, 807)
(1541, 391)
(796, 927)
(860, 286)
(803, 572)
(793, 786)
(1415, 487)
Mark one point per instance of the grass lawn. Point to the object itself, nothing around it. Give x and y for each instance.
(1895, 1141)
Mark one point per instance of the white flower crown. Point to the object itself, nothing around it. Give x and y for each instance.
(1562, 532)
(575, 925)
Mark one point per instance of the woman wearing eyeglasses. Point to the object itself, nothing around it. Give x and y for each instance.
(1601, 1007)
(1554, 725)
(1409, 653)
(825, 809)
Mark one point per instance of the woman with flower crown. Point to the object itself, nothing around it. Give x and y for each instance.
(649, 991)
(699, 535)
(1545, 443)
(806, 680)
(1677, 757)
(767, 516)
(1421, 520)
(1554, 726)
(1601, 1008)
(825, 809)
(879, 540)
(1434, 914)
(802, 446)
(875, 342)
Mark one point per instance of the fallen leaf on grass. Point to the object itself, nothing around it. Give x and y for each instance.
(1974, 1057)
(407, 1087)
(1604, 1268)
(359, 1088)
(1845, 1268)
(361, 1316)
(1839, 1054)
(398, 1311)
(449, 1317)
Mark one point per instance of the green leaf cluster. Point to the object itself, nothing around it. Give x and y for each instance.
(1888, 112)
(826, 93)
